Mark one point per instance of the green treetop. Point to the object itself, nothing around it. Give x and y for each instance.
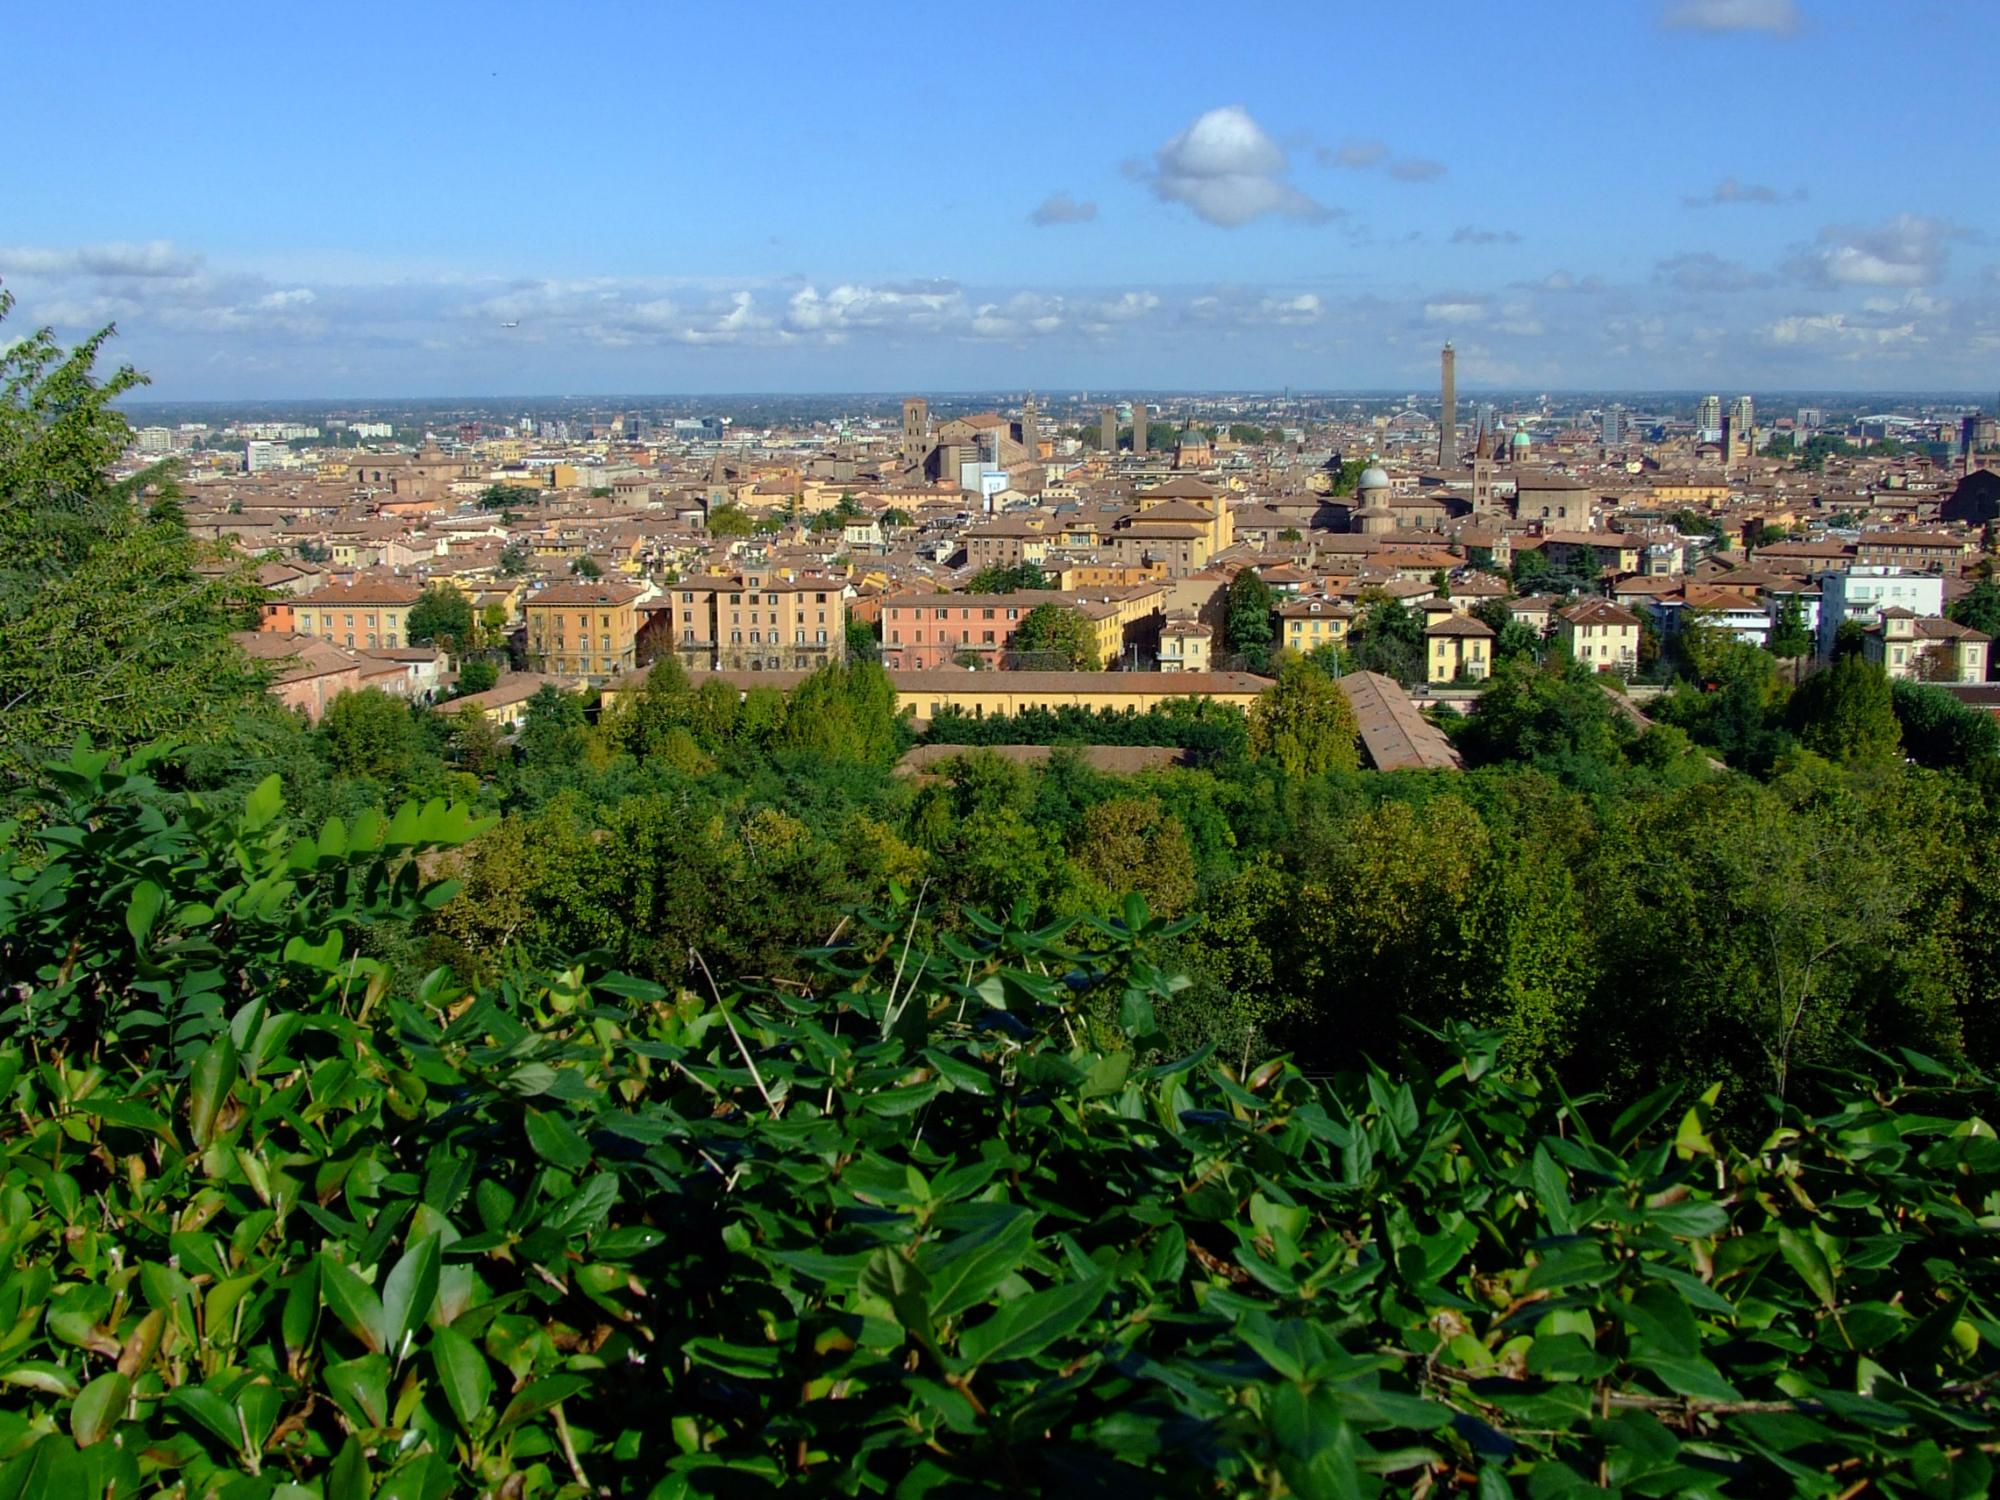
(1061, 632)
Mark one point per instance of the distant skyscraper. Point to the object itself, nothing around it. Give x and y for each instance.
(1448, 420)
(1708, 415)
(1613, 424)
(1745, 414)
(1107, 426)
(1139, 426)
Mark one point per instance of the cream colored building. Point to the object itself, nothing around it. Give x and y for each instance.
(1599, 634)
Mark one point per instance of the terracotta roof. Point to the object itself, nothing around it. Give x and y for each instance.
(1599, 612)
(1396, 736)
(591, 591)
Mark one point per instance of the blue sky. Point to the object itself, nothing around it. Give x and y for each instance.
(355, 200)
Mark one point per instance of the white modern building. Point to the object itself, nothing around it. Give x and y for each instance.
(1864, 591)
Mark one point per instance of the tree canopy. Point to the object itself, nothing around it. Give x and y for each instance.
(114, 622)
(1060, 634)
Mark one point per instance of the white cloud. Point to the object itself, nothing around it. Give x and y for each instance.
(1908, 250)
(1454, 311)
(1060, 208)
(1834, 329)
(1779, 17)
(1229, 172)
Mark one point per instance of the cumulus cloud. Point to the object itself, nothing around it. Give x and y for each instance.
(1837, 329)
(1469, 234)
(1704, 271)
(1729, 190)
(1368, 155)
(1229, 173)
(1778, 17)
(1060, 208)
(1908, 250)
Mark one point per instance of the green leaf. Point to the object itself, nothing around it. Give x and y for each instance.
(555, 1140)
(212, 1410)
(263, 804)
(214, 1075)
(99, 1408)
(1806, 1258)
(463, 1373)
(361, 1386)
(964, 1270)
(354, 1302)
(538, 1397)
(142, 911)
(1028, 1325)
(348, 1478)
(408, 1293)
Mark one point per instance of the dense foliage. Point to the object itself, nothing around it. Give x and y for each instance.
(941, 1218)
(113, 620)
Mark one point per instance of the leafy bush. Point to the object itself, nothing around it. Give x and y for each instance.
(939, 1222)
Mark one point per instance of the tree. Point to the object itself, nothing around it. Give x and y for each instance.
(505, 497)
(586, 567)
(514, 560)
(1061, 632)
(995, 579)
(1942, 732)
(1135, 844)
(1388, 638)
(729, 520)
(1979, 609)
(862, 642)
(895, 515)
(442, 615)
(1554, 715)
(1847, 713)
(1247, 628)
(476, 676)
(1530, 567)
(114, 622)
(1305, 723)
(1291, 534)
(1789, 637)
(370, 734)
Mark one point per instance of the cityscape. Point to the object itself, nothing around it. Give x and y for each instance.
(1067, 752)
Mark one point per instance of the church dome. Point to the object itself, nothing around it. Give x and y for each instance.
(1372, 478)
(1521, 439)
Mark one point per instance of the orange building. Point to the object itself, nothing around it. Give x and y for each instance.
(367, 614)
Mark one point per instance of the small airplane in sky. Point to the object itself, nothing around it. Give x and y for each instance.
(515, 324)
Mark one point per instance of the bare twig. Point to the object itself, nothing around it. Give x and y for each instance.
(727, 1020)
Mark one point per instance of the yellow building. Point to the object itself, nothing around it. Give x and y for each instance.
(1185, 645)
(986, 693)
(1306, 623)
(1457, 646)
(585, 628)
